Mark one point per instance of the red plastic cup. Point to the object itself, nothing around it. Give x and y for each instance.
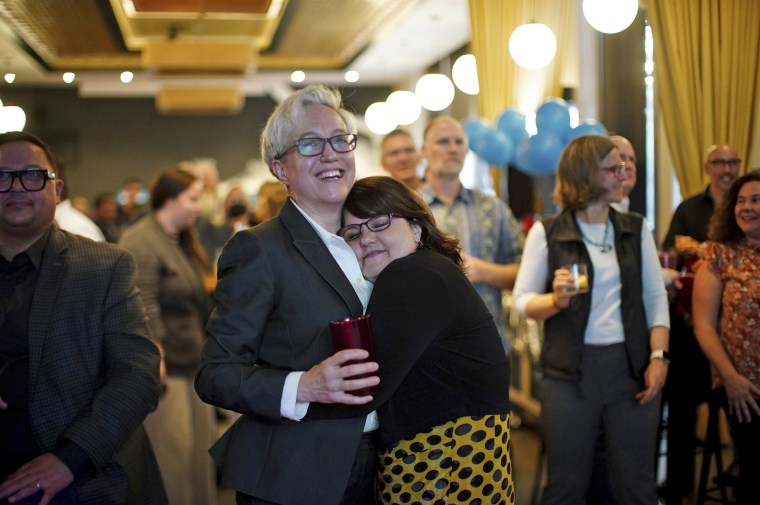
(354, 333)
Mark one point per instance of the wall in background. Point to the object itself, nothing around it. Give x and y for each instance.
(105, 141)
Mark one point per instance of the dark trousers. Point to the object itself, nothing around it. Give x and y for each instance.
(361, 489)
(747, 448)
(687, 385)
(572, 417)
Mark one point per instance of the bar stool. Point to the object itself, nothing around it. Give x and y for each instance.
(712, 448)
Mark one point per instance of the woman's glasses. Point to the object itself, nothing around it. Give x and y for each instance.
(314, 146)
(375, 223)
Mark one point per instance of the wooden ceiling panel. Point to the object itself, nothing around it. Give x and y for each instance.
(306, 34)
(64, 29)
(195, 6)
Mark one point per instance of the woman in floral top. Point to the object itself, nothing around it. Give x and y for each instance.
(726, 307)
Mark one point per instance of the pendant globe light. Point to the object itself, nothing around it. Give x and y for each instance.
(465, 74)
(610, 16)
(532, 45)
(404, 106)
(12, 118)
(434, 91)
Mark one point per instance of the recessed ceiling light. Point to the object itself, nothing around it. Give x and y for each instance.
(126, 77)
(298, 76)
(68, 77)
(351, 76)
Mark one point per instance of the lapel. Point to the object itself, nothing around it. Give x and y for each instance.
(308, 243)
(52, 271)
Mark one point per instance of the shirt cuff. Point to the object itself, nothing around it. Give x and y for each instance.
(290, 408)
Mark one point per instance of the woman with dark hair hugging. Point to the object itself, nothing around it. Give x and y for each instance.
(443, 398)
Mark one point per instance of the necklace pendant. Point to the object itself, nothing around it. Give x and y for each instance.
(605, 248)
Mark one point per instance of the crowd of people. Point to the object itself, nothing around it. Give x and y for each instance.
(119, 350)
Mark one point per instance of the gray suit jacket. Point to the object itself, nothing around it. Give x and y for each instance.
(278, 289)
(93, 371)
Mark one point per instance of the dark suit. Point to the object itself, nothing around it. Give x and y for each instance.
(278, 288)
(93, 371)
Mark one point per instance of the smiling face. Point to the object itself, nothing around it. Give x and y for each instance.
(319, 184)
(376, 249)
(747, 210)
(26, 214)
(721, 173)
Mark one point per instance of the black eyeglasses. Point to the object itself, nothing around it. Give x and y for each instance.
(615, 170)
(314, 146)
(32, 179)
(375, 223)
(720, 162)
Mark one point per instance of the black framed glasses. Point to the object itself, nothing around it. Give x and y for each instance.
(375, 223)
(721, 162)
(616, 170)
(32, 179)
(314, 146)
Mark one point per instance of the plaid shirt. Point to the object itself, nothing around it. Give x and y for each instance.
(486, 229)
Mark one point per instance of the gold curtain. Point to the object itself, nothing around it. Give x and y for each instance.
(707, 79)
(502, 82)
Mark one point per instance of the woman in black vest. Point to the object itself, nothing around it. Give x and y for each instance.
(604, 358)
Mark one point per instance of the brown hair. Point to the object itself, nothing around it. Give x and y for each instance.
(723, 225)
(385, 195)
(168, 184)
(578, 171)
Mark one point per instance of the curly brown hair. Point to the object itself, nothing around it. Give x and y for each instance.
(723, 225)
(385, 195)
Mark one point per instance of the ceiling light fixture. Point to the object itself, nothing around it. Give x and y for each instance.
(465, 74)
(351, 76)
(68, 77)
(298, 76)
(379, 118)
(9, 78)
(532, 45)
(404, 106)
(435, 91)
(610, 16)
(12, 118)
(126, 77)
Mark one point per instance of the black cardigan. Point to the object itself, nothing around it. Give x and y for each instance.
(439, 351)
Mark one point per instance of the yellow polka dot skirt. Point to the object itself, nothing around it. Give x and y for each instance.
(465, 461)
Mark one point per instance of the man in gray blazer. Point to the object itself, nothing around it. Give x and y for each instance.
(78, 372)
(268, 352)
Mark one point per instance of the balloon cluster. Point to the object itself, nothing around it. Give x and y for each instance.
(510, 144)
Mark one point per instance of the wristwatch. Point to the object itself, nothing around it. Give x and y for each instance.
(660, 354)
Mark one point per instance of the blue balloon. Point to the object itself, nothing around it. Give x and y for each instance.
(553, 116)
(497, 149)
(476, 130)
(511, 122)
(587, 127)
(522, 161)
(543, 152)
